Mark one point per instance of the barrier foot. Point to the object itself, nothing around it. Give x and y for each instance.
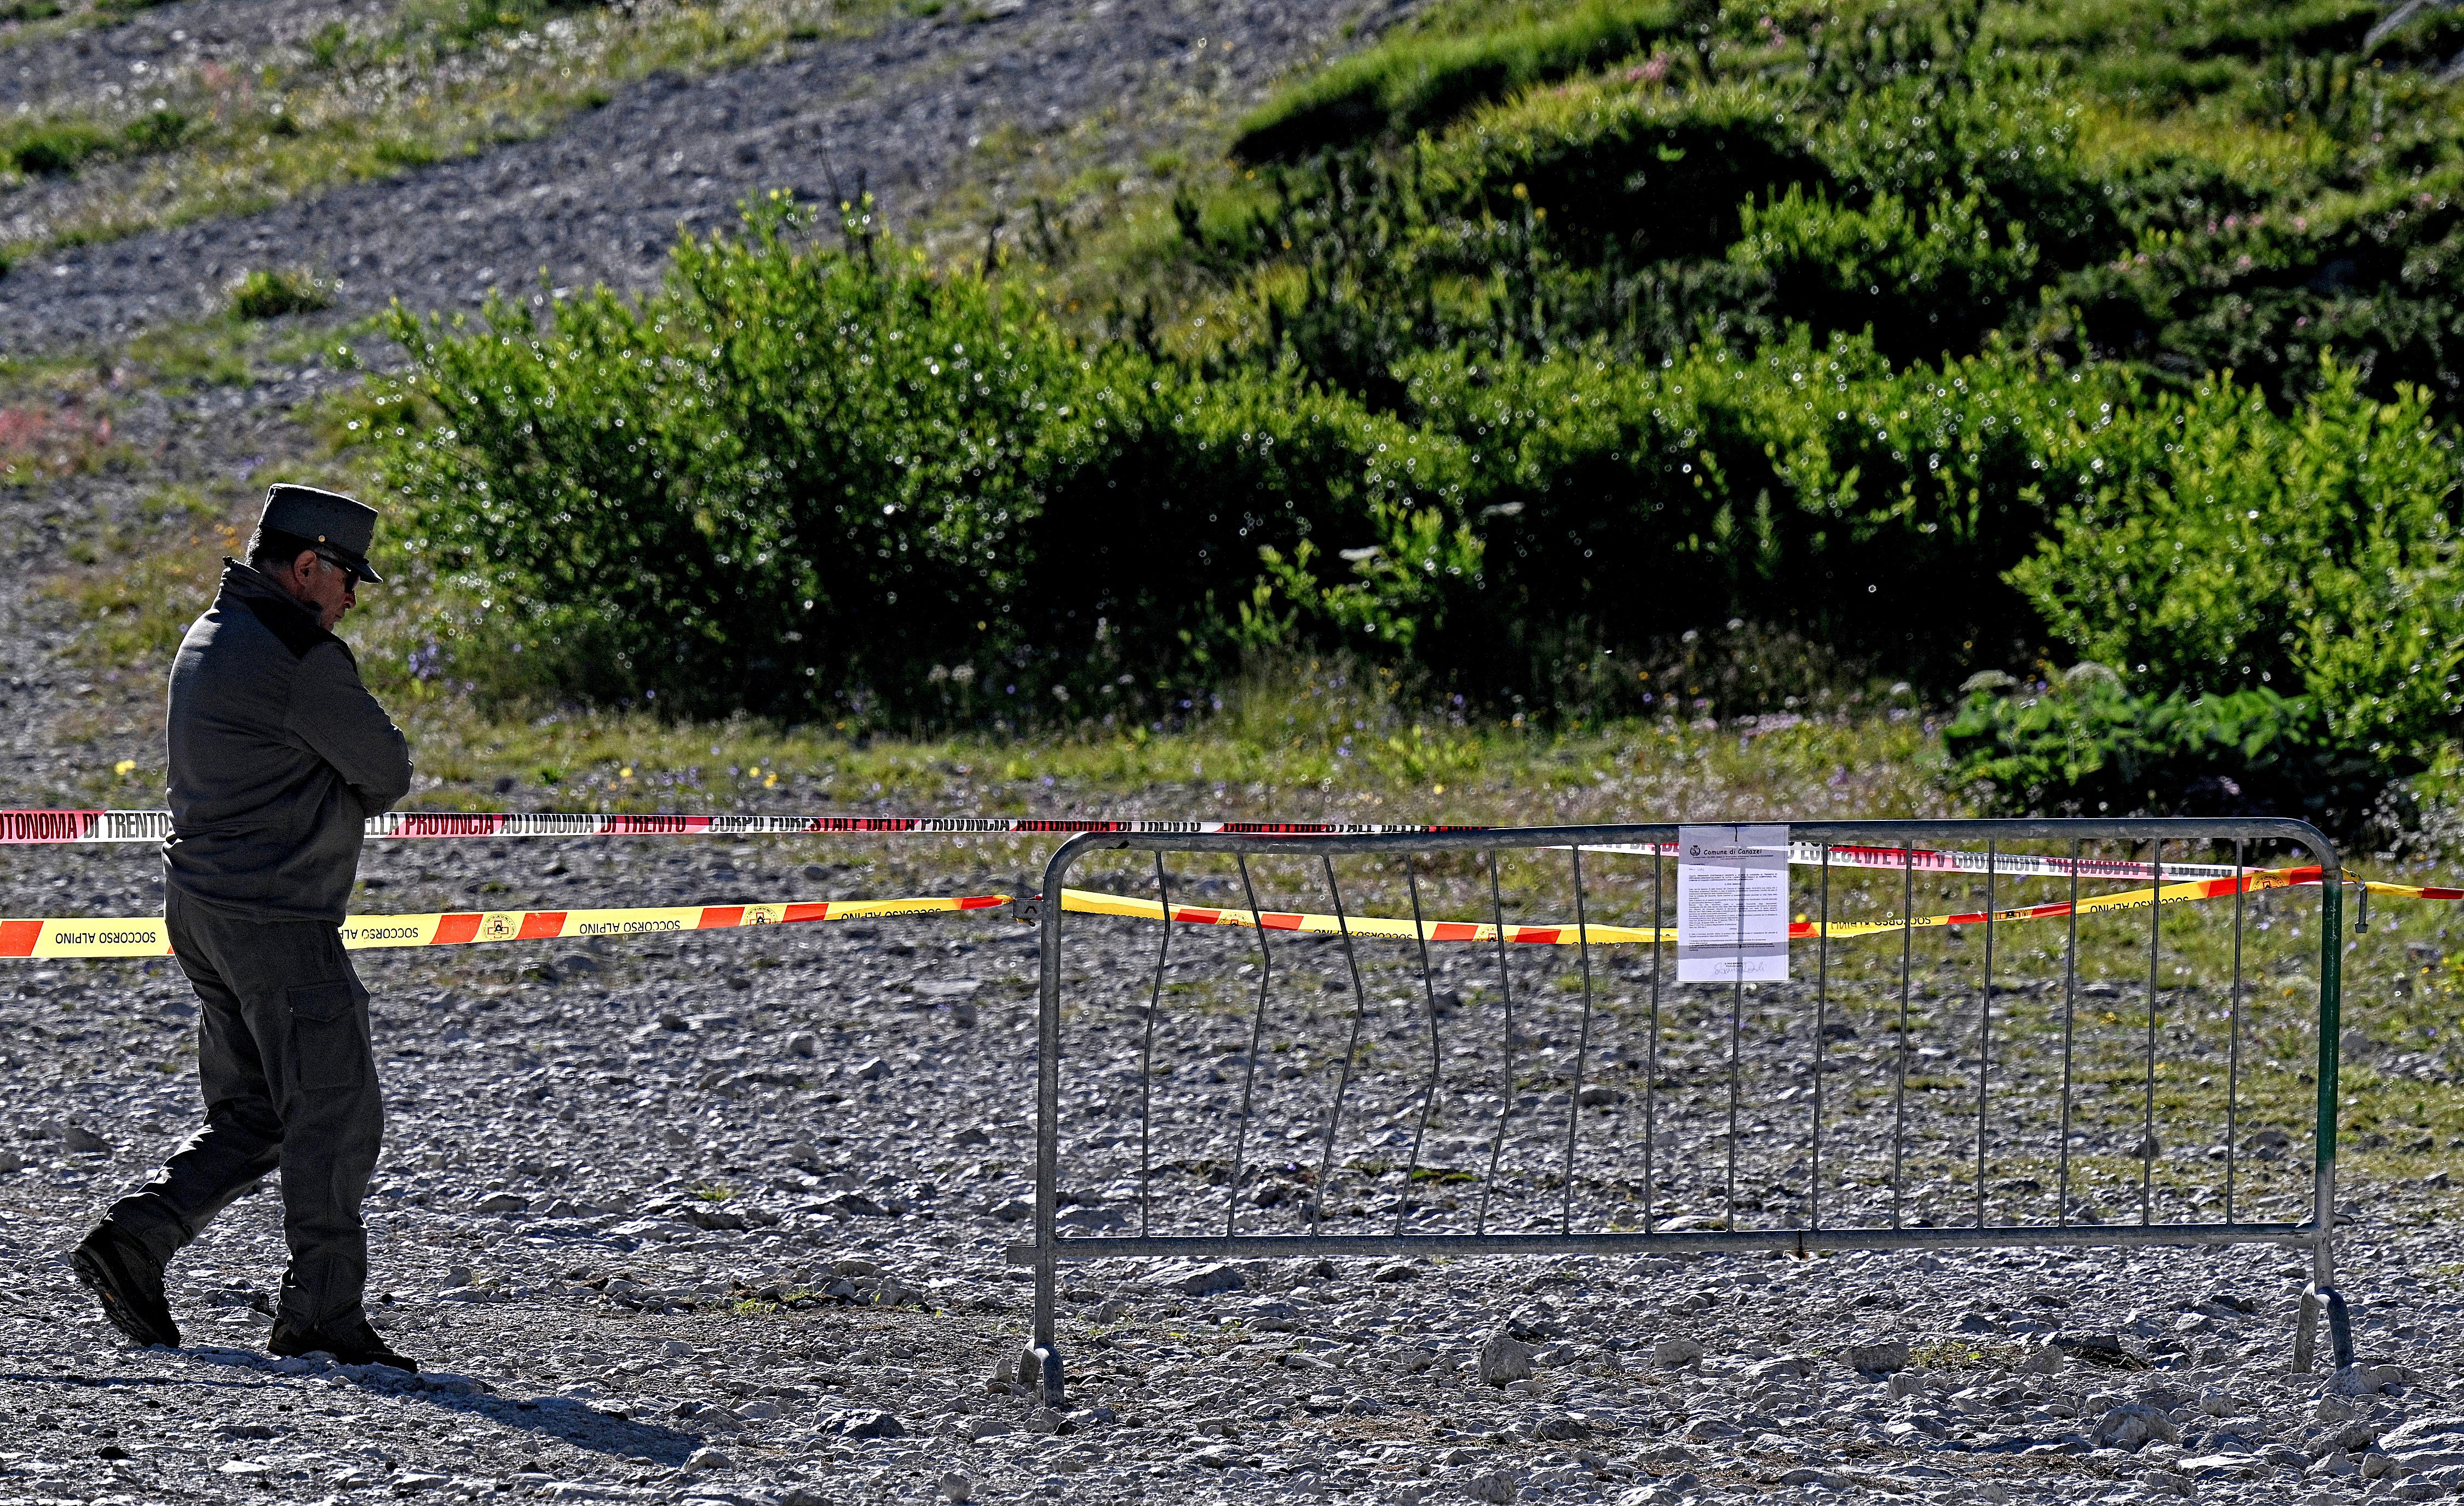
(2305, 1332)
(2317, 1301)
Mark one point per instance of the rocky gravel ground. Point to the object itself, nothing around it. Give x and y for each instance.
(723, 1218)
(600, 200)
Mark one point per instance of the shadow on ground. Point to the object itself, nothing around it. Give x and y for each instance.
(560, 1417)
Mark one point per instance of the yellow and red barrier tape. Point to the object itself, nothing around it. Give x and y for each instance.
(145, 936)
(2253, 881)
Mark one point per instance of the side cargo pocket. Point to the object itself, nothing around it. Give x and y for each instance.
(328, 1048)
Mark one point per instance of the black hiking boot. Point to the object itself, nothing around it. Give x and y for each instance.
(129, 1282)
(352, 1342)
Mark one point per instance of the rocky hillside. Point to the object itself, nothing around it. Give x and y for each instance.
(390, 155)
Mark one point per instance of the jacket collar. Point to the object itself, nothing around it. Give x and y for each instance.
(244, 581)
(282, 613)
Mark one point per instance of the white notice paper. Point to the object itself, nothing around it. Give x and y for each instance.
(1732, 904)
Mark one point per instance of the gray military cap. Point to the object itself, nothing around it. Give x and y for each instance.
(337, 523)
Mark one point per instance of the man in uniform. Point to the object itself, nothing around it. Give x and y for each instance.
(277, 756)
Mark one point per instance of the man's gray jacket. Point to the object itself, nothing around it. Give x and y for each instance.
(278, 754)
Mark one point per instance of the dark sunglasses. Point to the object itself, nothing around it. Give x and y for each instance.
(350, 571)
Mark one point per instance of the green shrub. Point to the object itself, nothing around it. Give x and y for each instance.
(2206, 543)
(806, 480)
(1922, 280)
(2084, 745)
(1982, 126)
(1203, 521)
(1649, 216)
(1591, 211)
(788, 476)
(1651, 173)
(1419, 83)
(1884, 349)
(1815, 487)
(276, 292)
(2374, 279)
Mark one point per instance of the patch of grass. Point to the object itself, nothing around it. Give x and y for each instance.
(326, 43)
(133, 608)
(275, 293)
(55, 149)
(714, 1193)
(1952, 1354)
(401, 153)
(156, 131)
(206, 354)
(1420, 81)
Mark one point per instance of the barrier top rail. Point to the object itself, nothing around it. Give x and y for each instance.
(1894, 835)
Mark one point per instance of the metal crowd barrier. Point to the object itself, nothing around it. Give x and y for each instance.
(2035, 1097)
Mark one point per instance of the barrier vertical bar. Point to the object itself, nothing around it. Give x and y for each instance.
(2232, 1048)
(1146, 1055)
(2070, 1015)
(1899, 1089)
(1257, 1038)
(1984, 1034)
(1506, 991)
(1582, 1045)
(1651, 1052)
(1821, 1037)
(1045, 1350)
(1428, 1094)
(2323, 1294)
(2147, 1117)
(1351, 1049)
(1736, 1041)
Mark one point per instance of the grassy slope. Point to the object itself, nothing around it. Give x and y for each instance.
(447, 81)
(2230, 104)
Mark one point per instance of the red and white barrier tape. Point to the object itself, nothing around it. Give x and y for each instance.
(54, 827)
(57, 828)
(146, 937)
(1925, 860)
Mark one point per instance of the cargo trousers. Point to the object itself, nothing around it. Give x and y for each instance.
(290, 1082)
